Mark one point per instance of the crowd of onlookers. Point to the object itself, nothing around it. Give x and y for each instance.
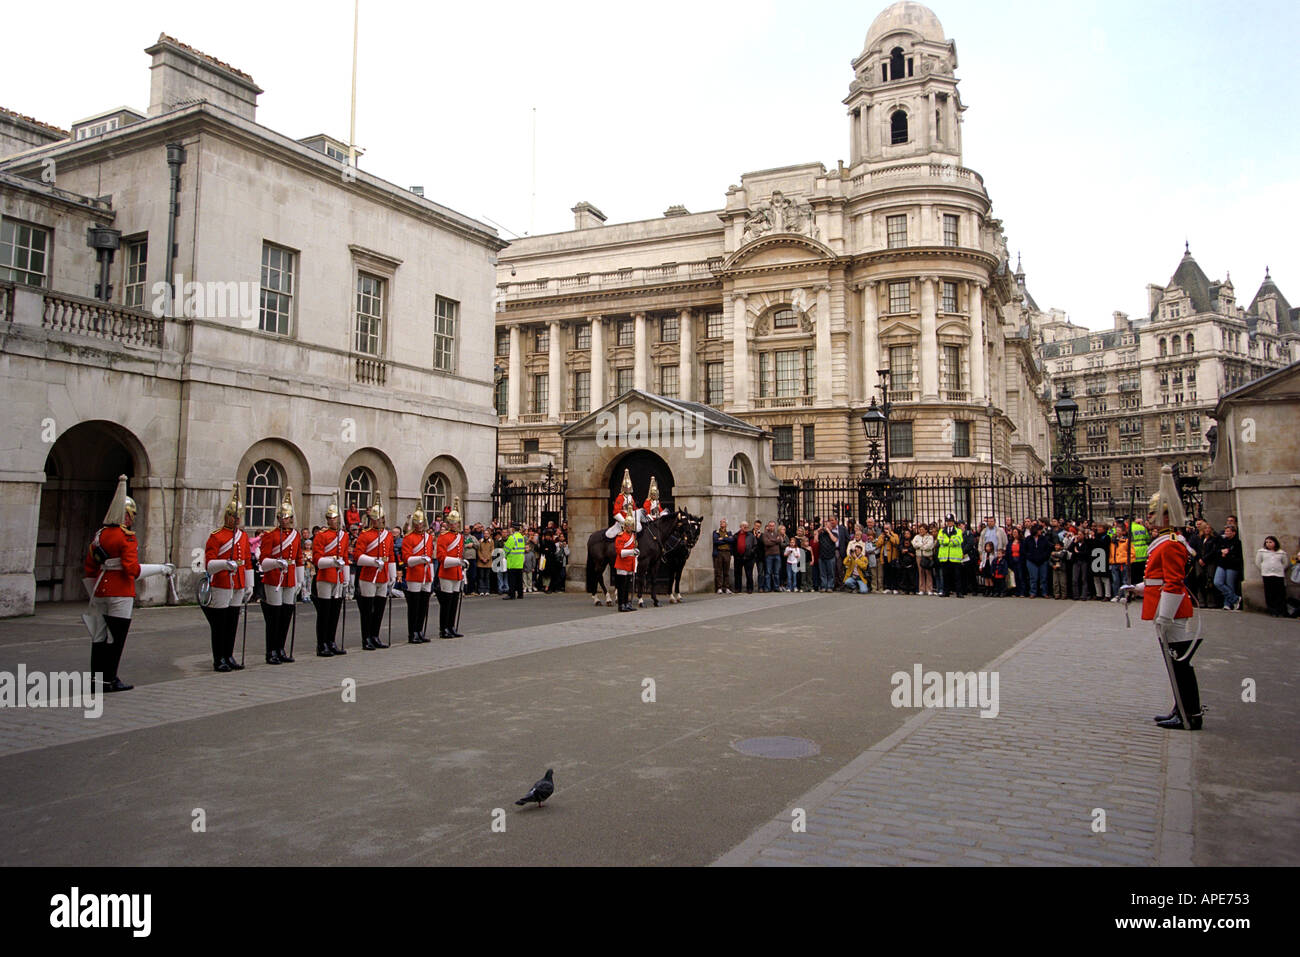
(1044, 558)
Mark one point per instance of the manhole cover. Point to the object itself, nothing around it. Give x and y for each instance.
(777, 747)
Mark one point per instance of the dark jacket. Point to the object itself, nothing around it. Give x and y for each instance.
(1037, 548)
(1234, 560)
(724, 544)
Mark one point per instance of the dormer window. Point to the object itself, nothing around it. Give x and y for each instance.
(898, 127)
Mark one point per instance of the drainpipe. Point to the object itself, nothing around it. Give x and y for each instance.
(175, 160)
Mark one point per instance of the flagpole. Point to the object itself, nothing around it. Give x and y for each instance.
(352, 130)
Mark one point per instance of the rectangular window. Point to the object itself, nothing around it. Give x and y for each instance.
(137, 262)
(626, 332)
(809, 442)
(787, 372)
(446, 313)
(961, 440)
(951, 383)
(900, 369)
(669, 329)
(503, 395)
(782, 443)
(542, 340)
(896, 231)
(668, 381)
(713, 326)
(900, 297)
(582, 392)
(23, 253)
(541, 394)
(277, 289)
(810, 372)
(503, 342)
(582, 336)
(370, 314)
(713, 380)
(949, 297)
(623, 380)
(949, 229)
(764, 374)
(900, 439)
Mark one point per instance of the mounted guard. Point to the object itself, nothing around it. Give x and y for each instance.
(624, 508)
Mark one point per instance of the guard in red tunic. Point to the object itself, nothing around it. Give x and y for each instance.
(1167, 603)
(329, 553)
(111, 569)
(624, 507)
(376, 573)
(417, 553)
(653, 508)
(280, 554)
(229, 559)
(451, 573)
(625, 556)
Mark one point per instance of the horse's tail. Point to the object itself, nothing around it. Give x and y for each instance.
(592, 578)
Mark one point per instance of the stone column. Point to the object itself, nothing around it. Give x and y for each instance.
(641, 363)
(871, 117)
(515, 390)
(598, 397)
(934, 139)
(686, 354)
(870, 340)
(927, 225)
(823, 332)
(555, 373)
(978, 388)
(739, 356)
(929, 340)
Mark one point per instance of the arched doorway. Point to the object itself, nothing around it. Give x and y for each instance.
(642, 463)
(80, 478)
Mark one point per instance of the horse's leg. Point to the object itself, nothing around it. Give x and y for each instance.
(654, 582)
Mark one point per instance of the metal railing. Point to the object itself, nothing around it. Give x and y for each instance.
(6, 302)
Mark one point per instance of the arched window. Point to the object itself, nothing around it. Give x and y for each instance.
(784, 319)
(261, 495)
(435, 495)
(358, 489)
(1191, 343)
(738, 474)
(896, 65)
(1178, 345)
(1164, 347)
(898, 127)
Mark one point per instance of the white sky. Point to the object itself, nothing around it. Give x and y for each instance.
(1107, 132)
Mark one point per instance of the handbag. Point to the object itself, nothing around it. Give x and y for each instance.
(927, 561)
(1011, 578)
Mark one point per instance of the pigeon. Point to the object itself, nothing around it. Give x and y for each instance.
(541, 790)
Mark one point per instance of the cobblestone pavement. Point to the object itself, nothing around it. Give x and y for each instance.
(1073, 737)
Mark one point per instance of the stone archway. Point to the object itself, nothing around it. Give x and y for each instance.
(642, 463)
(80, 478)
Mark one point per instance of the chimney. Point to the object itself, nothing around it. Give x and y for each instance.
(586, 216)
(1154, 295)
(678, 210)
(1121, 321)
(181, 75)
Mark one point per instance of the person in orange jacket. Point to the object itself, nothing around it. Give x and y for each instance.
(228, 558)
(377, 564)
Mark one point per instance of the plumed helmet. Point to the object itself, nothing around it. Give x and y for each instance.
(627, 481)
(654, 488)
(418, 517)
(453, 517)
(1165, 505)
(629, 524)
(233, 507)
(376, 511)
(332, 511)
(121, 506)
(286, 507)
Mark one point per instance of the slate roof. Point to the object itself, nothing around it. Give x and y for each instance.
(1288, 318)
(1190, 279)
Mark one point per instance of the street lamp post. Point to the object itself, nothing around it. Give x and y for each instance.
(1067, 472)
(993, 504)
(876, 481)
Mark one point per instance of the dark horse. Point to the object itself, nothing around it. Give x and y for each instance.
(652, 542)
(678, 549)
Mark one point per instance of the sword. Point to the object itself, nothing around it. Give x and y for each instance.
(293, 623)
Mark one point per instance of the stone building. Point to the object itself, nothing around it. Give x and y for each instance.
(329, 331)
(1147, 388)
(780, 307)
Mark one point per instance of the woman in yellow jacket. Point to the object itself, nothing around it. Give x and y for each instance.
(856, 570)
(1121, 553)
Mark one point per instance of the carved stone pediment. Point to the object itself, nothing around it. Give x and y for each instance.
(780, 214)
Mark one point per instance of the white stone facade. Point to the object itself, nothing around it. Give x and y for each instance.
(781, 307)
(325, 321)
